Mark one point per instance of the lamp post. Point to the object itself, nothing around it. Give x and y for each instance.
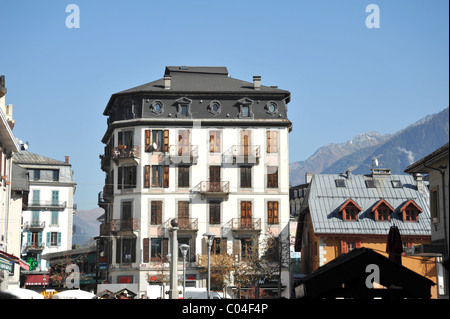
(174, 264)
(184, 249)
(209, 239)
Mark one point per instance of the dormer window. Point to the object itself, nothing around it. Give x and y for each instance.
(184, 107)
(382, 211)
(410, 211)
(245, 108)
(157, 107)
(350, 210)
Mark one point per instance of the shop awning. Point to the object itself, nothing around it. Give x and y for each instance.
(36, 280)
(15, 259)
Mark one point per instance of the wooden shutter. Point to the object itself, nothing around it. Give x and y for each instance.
(147, 176)
(344, 248)
(165, 247)
(237, 249)
(275, 213)
(166, 177)
(166, 141)
(148, 140)
(146, 250)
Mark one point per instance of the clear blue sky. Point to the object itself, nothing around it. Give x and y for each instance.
(344, 78)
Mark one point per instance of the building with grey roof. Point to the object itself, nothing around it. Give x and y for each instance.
(200, 146)
(47, 216)
(342, 212)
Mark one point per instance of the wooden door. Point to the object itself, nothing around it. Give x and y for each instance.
(246, 142)
(214, 178)
(246, 215)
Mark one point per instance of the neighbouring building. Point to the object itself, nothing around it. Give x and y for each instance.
(342, 212)
(203, 147)
(47, 219)
(10, 213)
(435, 165)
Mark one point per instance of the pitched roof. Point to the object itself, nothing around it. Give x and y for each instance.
(325, 200)
(200, 79)
(25, 157)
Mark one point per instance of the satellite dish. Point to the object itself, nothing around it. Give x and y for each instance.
(155, 146)
(376, 162)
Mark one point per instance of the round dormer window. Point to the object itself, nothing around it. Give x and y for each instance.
(272, 108)
(157, 107)
(214, 108)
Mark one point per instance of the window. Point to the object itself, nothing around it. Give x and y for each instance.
(54, 238)
(157, 141)
(126, 250)
(272, 141)
(157, 107)
(410, 211)
(272, 176)
(36, 196)
(272, 108)
(216, 245)
(245, 111)
(214, 141)
(36, 174)
(396, 184)
(370, 183)
(55, 198)
(246, 215)
(214, 108)
(350, 210)
(183, 176)
(55, 217)
(246, 176)
(349, 244)
(183, 214)
(214, 212)
(382, 211)
(127, 177)
(159, 249)
(340, 182)
(160, 176)
(35, 218)
(126, 139)
(246, 247)
(272, 212)
(434, 204)
(127, 210)
(184, 109)
(156, 213)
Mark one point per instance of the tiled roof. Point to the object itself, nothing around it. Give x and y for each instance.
(325, 199)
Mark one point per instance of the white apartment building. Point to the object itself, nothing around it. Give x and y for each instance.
(202, 147)
(9, 216)
(47, 219)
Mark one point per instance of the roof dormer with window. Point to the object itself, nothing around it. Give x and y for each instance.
(382, 210)
(350, 210)
(410, 211)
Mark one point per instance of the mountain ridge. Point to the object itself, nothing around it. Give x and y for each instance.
(395, 151)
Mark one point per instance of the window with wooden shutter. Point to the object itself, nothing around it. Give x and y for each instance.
(246, 176)
(183, 214)
(272, 141)
(272, 176)
(166, 177)
(166, 141)
(156, 213)
(183, 176)
(147, 176)
(214, 212)
(148, 143)
(146, 252)
(214, 141)
(272, 211)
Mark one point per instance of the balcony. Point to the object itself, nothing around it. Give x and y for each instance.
(34, 247)
(105, 196)
(34, 226)
(124, 225)
(183, 155)
(188, 224)
(206, 188)
(47, 204)
(124, 154)
(246, 224)
(242, 154)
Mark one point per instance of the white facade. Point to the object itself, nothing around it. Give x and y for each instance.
(215, 176)
(47, 221)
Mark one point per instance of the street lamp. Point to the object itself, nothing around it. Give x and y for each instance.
(174, 264)
(209, 239)
(184, 249)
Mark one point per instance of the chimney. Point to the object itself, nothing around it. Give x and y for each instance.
(167, 82)
(308, 177)
(67, 159)
(419, 182)
(257, 82)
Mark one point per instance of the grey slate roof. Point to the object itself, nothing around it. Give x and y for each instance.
(201, 79)
(325, 199)
(25, 157)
